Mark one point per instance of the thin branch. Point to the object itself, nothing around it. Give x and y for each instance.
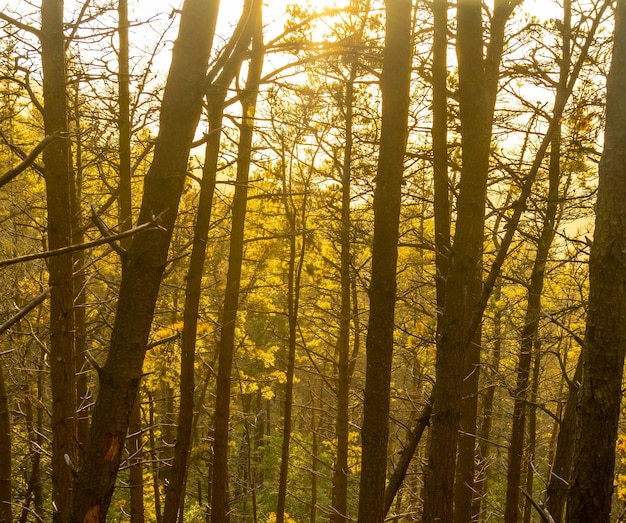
(82, 246)
(37, 300)
(162, 341)
(19, 25)
(106, 232)
(29, 159)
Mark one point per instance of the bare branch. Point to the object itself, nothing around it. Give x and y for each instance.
(24, 311)
(18, 24)
(106, 232)
(546, 517)
(28, 160)
(82, 246)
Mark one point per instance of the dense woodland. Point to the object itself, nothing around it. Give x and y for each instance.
(352, 261)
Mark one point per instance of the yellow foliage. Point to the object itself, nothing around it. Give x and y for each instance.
(271, 518)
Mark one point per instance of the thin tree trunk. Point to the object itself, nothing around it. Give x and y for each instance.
(591, 488)
(226, 348)
(135, 440)
(144, 264)
(58, 178)
(440, 148)
(532, 435)
(155, 461)
(5, 453)
(294, 272)
(394, 86)
(484, 433)
(535, 290)
(558, 484)
(339, 493)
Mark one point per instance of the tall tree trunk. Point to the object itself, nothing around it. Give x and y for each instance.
(144, 264)
(135, 440)
(339, 493)
(465, 257)
(80, 283)
(394, 86)
(533, 315)
(294, 273)
(478, 81)
(591, 488)
(250, 20)
(440, 148)
(5, 453)
(58, 178)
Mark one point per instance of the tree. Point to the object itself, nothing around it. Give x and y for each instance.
(604, 347)
(58, 177)
(394, 85)
(5, 453)
(144, 265)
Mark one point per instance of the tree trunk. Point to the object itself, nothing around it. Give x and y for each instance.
(484, 431)
(440, 148)
(339, 493)
(560, 471)
(294, 273)
(58, 178)
(591, 489)
(5, 453)
(144, 264)
(251, 17)
(535, 290)
(532, 435)
(478, 81)
(394, 86)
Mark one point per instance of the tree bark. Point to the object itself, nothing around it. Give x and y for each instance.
(5, 453)
(294, 277)
(144, 265)
(478, 81)
(394, 86)
(58, 177)
(591, 489)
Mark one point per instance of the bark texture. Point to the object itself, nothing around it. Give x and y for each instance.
(58, 177)
(591, 489)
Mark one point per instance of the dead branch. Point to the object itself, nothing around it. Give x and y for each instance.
(28, 160)
(82, 246)
(24, 311)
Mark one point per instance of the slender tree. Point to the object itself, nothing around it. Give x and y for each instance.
(600, 394)
(532, 317)
(394, 86)
(5, 453)
(58, 176)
